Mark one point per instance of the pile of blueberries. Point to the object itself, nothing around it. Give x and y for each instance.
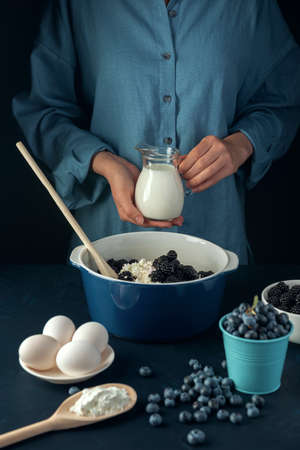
(208, 394)
(258, 321)
(284, 297)
(167, 269)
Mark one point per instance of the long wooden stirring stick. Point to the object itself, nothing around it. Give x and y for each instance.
(102, 265)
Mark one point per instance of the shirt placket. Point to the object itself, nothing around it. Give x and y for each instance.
(167, 93)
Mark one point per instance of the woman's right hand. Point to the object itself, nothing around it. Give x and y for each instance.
(122, 177)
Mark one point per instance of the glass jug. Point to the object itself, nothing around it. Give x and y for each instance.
(159, 193)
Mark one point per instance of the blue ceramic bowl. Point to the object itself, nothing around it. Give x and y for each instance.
(155, 312)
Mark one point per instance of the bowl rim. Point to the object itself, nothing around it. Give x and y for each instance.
(267, 288)
(157, 284)
(253, 341)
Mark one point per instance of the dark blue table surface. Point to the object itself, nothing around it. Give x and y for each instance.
(31, 294)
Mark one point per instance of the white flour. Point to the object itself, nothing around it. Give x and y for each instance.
(100, 401)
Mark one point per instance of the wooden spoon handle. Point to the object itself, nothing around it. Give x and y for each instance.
(102, 265)
(20, 434)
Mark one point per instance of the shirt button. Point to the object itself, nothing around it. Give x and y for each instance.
(166, 55)
(167, 98)
(168, 140)
(172, 13)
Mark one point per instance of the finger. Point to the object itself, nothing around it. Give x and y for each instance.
(223, 173)
(207, 173)
(157, 223)
(203, 162)
(128, 212)
(178, 221)
(198, 151)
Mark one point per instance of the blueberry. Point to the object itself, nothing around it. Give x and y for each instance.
(196, 366)
(222, 414)
(185, 417)
(185, 388)
(185, 397)
(227, 382)
(198, 386)
(243, 307)
(261, 319)
(196, 405)
(210, 382)
(236, 400)
(73, 390)
(169, 392)
(271, 335)
(177, 393)
(145, 371)
(213, 404)
(188, 380)
(252, 412)
(200, 416)
(251, 334)
(206, 409)
(249, 320)
(154, 398)
(271, 325)
(236, 333)
(221, 399)
(282, 331)
(249, 405)
(209, 371)
(169, 402)
(152, 408)
(243, 329)
(205, 390)
(236, 418)
(263, 336)
(195, 437)
(283, 319)
(217, 391)
(227, 392)
(193, 361)
(155, 420)
(203, 399)
(258, 401)
(192, 393)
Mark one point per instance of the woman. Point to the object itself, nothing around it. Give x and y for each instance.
(219, 80)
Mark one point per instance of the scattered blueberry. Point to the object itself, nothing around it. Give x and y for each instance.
(200, 416)
(195, 437)
(154, 398)
(73, 390)
(258, 401)
(169, 402)
(184, 397)
(236, 400)
(185, 417)
(152, 408)
(213, 404)
(236, 418)
(145, 371)
(222, 414)
(155, 420)
(206, 409)
(227, 382)
(169, 392)
(252, 412)
(193, 361)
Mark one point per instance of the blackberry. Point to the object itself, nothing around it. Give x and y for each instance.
(294, 291)
(296, 309)
(171, 255)
(203, 274)
(166, 268)
(285, 301)
(297, 299)
(157, 276)
(111, 262)
(278, 289)
(127, 276)
(131, 261)
(275, 301)
(160, 260)
(171, 279)
(189, 273)
(119, 264)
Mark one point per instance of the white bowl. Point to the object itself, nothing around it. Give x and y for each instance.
(57, 377)
(294, 318)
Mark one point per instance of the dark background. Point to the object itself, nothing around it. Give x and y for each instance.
(31, 227)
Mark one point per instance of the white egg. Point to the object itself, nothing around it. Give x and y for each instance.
(77, 358)
(60, 328)
(39, 351)
(92, 332)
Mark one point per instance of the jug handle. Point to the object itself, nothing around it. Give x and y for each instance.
(233, 261)
(74, 257)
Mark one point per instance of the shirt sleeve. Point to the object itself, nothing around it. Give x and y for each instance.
(268, 104)
(53, 122)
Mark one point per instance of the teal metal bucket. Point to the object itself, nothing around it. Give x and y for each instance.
(255, 366)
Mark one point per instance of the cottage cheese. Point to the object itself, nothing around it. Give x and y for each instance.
(140, 270)
(100, 401)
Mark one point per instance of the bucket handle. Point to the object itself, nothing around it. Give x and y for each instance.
(74, 257)
(233, 262)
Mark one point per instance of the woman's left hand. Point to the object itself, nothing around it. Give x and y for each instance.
(214, 159)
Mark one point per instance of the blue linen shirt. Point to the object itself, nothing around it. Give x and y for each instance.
(101, 70)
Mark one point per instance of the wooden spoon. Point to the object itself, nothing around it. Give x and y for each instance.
(102, 265)
(63, 418)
